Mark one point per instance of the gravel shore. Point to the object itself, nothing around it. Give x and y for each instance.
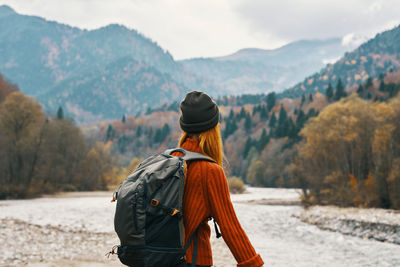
(76, 230)
(25, 244)
(378, 224)
(33, 245)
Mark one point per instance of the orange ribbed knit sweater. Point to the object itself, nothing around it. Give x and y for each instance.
(206, 194)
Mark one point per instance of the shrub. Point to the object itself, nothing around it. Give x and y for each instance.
(236, 185)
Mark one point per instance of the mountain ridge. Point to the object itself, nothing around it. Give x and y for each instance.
(254, 70)
(42, 56)
(378, 55)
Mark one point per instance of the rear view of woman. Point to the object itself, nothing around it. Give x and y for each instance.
(206, 190)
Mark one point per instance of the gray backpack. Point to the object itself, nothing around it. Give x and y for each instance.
(148, 216)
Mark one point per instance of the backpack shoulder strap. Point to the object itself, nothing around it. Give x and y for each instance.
(188, 155)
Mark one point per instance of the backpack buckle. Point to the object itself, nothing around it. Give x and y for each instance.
(174, 212)
(114, 197)
(154, 202)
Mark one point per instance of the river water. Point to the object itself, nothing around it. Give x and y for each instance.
(274, 230)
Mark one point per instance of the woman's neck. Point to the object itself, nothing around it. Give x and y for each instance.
(194, 136)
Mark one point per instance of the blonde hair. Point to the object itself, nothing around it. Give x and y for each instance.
(210, 143)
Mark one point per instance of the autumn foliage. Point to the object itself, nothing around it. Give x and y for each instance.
(351, 154)
(43, 155)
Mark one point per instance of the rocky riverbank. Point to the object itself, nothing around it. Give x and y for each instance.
(76, 230)
(44, 245)
(378, 224)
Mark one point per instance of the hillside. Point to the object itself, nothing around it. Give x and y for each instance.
(255, 129)
(47, 59)
(125, 86)
(61, 65)
(377, 56)
(43, 154)
(253, 71)
(56, 51)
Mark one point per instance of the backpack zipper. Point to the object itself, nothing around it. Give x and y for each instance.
(134, 205)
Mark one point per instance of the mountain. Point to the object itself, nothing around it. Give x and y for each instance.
(59, 64)
(57, 51)
(125, 86)
(377, 56)
(254, 70)
(104, 73)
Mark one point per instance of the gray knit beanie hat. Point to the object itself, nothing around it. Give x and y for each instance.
(199, 113)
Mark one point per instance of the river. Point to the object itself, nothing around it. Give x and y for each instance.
(76, 229)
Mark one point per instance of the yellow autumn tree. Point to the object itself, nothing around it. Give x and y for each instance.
(63, 150)
(255, 174)
(393, 178)
(44, 155)
(346, 146)
(21, 120)
(95, 169)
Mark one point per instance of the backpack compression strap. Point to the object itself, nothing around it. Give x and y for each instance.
(195, 235)
(188, 155)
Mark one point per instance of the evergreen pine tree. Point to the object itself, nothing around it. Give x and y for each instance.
(303, 99)
(339, 93)
(109, 133)
(291, 132)
(242, 113)
(329, 92)
(282, 115)
(283, 128)
(247, 123)
(360, 89)
(264, 113)
(60, 113)
(247, 146)
(158, 136)
(369, 83)
(162, 133)
(231, 115)
(139, 131)
(165, 131)
(300, 120)
(230, 127)
(310, 98)
(272, 120)
(255, 109)
(263, 140)
(123, 119)
(382, 86)
(271, 100)
(311, 113)
(122, 140)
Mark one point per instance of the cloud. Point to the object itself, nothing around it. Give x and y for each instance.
(375, 7)
(184, 28)
(352, 40)
(209, 28)
(300, 19)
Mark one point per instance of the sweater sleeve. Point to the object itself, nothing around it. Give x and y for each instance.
(222, 211)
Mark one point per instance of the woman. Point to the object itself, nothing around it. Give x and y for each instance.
(206, 190)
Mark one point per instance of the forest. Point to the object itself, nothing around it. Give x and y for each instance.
(341, 147)
(265, 140)
(351, 154)
(45, 154)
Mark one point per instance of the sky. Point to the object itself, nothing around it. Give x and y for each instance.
(209, 28)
